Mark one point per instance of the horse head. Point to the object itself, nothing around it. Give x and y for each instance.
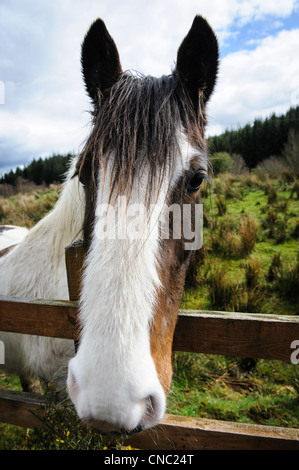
(141, 167)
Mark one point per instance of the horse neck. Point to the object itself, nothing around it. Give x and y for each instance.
(36, 267)
(63, 225)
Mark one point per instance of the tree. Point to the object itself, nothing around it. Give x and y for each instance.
(291, 151)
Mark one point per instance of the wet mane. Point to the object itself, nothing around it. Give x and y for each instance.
(135, 127)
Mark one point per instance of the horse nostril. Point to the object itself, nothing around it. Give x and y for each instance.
(136, 430)
(150, 409)
(153, 412)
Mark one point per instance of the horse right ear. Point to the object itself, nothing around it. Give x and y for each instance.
(99, 59)
(197, 60)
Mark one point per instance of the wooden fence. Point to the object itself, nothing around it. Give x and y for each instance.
(221, 333)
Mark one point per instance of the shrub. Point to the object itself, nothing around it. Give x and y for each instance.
(273, 166)
(231, 244)
(295, 233)
(61, 429)
(248, 233)
(295, 189)
(221, 162)
(192, 272)
(221, 204)
(239, 166)
(250, 180)
(247, 300)
(221, 290)
(275, 266)
(287, 176)
(280, 232)
(272, 195)
(270, 222)
(286, 281)
(276, 224)
(252, 272)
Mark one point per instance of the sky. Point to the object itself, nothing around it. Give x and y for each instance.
(44, 108)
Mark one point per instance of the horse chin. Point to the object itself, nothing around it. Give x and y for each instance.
(112, 430)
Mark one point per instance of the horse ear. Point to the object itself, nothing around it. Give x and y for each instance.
(99, 59)
(197, 60)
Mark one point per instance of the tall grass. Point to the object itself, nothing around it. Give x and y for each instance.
(252, 267)
(27, 209)
(233, 238)
(248, 233)
(285, 277)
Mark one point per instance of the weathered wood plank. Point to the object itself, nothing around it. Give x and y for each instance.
(236, 334)
(56, 319)
(232, 334)
(172, 433)
(185, 433)
(17, 407)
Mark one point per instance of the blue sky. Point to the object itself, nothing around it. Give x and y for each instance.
(43, 104)
(247, 36)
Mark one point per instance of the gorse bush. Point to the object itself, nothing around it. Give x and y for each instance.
(61, 429)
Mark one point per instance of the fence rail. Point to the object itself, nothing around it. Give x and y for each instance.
(221, 333)
(231, 334)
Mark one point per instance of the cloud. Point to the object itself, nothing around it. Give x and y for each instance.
(258, 82)
(45, 101)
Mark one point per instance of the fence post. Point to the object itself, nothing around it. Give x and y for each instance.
(74, 259)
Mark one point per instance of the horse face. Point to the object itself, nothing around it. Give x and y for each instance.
(134, 274)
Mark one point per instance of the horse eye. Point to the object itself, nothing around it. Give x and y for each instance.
(194, 183)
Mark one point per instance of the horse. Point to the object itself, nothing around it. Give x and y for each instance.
(146, 149)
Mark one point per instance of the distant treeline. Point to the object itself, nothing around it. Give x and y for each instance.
(42, 171)
(258, 141)
(254, 142)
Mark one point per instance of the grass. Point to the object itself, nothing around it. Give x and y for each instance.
(27, 209)
(211, 387)
(248, 263)
(260, 221)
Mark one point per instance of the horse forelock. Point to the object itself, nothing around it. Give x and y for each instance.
(135, 130)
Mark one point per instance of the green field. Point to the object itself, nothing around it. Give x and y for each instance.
(248, 263)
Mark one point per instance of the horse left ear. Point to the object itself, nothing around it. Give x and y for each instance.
(99, 59)
(197, 60)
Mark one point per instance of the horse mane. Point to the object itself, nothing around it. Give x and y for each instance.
(135, 128)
